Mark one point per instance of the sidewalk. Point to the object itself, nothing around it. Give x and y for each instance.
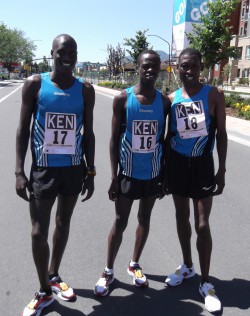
(8, 81)
(238, 130)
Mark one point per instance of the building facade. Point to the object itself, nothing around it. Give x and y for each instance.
(240, 67)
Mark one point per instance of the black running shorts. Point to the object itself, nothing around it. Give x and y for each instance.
(47, 183)
(137, 189)
(190, 176)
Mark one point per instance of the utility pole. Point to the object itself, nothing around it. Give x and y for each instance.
(169, 57)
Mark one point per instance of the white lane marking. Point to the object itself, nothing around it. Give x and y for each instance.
(105, 94)
(8, 95)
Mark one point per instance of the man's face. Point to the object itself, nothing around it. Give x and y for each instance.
(149, 68)
(189, 69)
(64, 54)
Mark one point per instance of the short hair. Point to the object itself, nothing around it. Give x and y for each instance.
(65, 37)
(191, 51)
(148, 51)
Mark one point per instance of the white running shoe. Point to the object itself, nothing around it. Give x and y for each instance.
(212, 302)
(35, 307)
(61, 289)
(181, 273)
(102, 285)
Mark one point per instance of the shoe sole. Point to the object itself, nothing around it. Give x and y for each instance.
(59, 295)
(145, 284)
(101, 294)
(191, 275)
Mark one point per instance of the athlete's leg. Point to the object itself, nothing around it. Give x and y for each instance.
(184, 230)
(40, 211)
(144, 213)
(202, 210)
(122, 208)
(64, 212)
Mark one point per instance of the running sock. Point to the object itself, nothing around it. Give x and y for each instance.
(48, 292)
(109, 271)
(133, 263)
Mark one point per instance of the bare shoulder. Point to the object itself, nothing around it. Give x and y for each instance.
(216, 96)
(216, 92)
(31, 89)
(121, 96)
(88, 89)
(119, 102)
(33, 82)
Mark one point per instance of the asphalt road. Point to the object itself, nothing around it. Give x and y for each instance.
(85, 255)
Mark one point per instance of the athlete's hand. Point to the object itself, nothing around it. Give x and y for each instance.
(22, 187)
(219, 182)
(113, 190)
(89, 187)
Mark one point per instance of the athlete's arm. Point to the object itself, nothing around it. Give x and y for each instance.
(217, 96)
(167, 142)
(29, 98)
(167, 108)
(116, 129)
(88, 137)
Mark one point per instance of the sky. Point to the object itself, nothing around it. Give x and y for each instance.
(94, 24)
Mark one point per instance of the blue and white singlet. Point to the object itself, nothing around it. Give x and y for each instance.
(56, 133)
(192, 127)
(141, 143)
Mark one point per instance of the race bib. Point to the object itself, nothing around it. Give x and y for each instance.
(60, 133)
(191, 120)
(144, 136)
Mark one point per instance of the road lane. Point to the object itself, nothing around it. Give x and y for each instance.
(85, 255)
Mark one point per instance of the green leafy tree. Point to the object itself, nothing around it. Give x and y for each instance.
(14, 46)
(137, 44)
(213, 35)
(115, 60)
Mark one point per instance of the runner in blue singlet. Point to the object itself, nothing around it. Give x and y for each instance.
(136, 154)
(60, 105)
(197, 119)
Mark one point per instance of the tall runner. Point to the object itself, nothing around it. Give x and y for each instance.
(63, 162)
(197, 119)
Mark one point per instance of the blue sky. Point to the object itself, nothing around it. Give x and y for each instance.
(93, 24)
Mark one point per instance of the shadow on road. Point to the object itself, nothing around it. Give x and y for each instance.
(62, 309)
(171, 301)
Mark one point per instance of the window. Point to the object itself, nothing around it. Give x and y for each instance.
(239, 53)
(241, 30)
(238, 73)
(245, 73)
(243, 11)
(248, 52)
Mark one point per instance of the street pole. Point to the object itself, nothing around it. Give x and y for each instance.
(169, 57)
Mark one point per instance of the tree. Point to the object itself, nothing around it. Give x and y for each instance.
(115, 60)
(14, 46)
(213, 35)
(44, 65)
(226, 72)
(137, 44)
